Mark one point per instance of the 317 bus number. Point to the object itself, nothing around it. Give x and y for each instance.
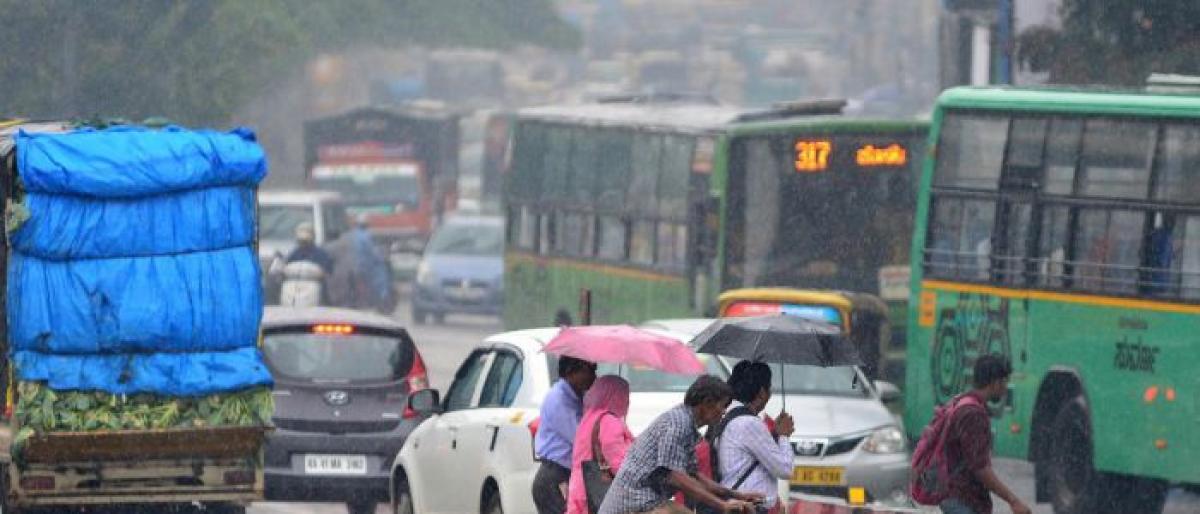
(812, 156)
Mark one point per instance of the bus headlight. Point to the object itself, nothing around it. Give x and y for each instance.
(886, 440)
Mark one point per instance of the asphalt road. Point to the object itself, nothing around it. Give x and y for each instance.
(443, 347)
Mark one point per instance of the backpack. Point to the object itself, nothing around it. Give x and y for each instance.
(714, 433)
(929, 482)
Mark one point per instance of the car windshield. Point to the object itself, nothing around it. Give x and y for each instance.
(337, 358)
(817, 381)
(646, 380)
(278, 222)
(468, 239)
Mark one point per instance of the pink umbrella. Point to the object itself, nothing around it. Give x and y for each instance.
(623, 344)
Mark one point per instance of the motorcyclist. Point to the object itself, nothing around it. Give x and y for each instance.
(307, 250)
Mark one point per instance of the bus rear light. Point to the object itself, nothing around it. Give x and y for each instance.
(37, 483)
(1151, 394)
(240, 477)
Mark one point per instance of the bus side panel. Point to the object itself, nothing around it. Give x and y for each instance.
(1130, 360)
(526, 290)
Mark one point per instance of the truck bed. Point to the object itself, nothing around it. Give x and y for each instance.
(122, 445)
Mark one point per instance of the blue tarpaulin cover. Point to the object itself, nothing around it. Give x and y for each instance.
(135, 271)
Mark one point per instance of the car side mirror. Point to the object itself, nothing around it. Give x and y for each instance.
(425, 402)
(888, 392)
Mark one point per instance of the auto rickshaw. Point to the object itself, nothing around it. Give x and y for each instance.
(864, 318)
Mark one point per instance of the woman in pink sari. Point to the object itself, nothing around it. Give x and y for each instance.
(606, 403)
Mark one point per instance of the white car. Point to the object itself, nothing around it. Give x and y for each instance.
(475, 453)
(845, 435)
(279, 212)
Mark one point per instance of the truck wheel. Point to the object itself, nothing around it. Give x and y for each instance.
(359, 507)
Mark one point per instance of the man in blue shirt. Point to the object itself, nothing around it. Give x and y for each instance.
(555, 438)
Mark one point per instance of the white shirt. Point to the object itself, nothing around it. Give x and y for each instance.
(745, 441)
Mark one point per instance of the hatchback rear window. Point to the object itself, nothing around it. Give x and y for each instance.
(338, 358)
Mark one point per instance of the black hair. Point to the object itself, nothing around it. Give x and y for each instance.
(990, 369)
(562, 318)
(748, 378)
(707, 389)
(568, 365)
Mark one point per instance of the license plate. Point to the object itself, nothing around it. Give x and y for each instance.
(809, 475)
(335, 464)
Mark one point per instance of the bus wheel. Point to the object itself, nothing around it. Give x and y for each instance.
(1076, 487)
(1074, 484)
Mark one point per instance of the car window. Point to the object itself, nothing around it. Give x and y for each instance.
(464, 239)
(502, 382)
(359, 357)
(465, 381)
(278, 222)
(818, 381)
(646, 380)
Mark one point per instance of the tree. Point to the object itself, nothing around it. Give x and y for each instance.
(1118, 42)
(196, 61)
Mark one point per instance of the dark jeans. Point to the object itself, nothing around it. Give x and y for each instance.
(547, 493)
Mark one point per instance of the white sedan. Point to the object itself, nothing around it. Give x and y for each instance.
(475, 453)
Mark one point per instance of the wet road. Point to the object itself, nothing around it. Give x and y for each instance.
(445, 346)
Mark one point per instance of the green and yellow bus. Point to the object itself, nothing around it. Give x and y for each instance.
(1061, 229)
(656, 208)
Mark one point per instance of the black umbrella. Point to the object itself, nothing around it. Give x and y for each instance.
(780, 338)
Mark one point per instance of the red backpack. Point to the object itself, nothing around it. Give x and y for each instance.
(929, 482)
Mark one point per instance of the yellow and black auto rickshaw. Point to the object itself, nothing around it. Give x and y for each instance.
(862, 317)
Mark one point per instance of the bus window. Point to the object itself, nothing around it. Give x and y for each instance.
(1190, 259)
(1116, 158)
(612, 238)
(1026, 145)
(585, 162)
(1062, 154)
(612, 172)
(556, 168)
(1052, 248)
(672, 245)
(643, 185)
(971, 151)
(641, 243)
(1179, 165)
(1107, 248)
(575, 235)
(673, 178)
(961, 238)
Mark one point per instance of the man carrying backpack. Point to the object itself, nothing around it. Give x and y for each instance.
(952, 464)
(748, 456)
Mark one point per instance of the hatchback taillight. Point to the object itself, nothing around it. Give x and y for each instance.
(417, 380)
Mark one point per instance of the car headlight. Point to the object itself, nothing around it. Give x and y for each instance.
(424, 274)
(886, 440)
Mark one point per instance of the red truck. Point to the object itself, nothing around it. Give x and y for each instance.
(396, 165)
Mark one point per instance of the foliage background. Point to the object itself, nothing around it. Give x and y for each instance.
(195, 62)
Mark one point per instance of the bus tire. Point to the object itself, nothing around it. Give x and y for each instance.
(1075, 485)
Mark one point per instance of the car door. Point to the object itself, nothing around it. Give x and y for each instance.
(442, 460)
(478, 433)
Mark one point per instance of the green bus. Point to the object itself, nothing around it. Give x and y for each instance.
(1061, 229)
(656, 208)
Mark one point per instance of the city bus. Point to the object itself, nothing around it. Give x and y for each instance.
(657, 207)
(1061, 229)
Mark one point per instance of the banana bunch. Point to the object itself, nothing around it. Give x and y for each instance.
(42, 409)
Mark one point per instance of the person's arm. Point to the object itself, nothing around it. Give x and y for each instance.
(725, 492)
(615, 441)
(992, 482)
(773, 454)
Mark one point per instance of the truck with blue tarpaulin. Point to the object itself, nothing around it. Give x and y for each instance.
(131, 306)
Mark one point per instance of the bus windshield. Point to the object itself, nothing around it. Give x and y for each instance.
(801, 208)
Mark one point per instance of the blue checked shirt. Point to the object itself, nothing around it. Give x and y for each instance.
(668, 444)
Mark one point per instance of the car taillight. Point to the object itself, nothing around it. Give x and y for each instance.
(417, 380)
(37, 483)
(533, 427)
